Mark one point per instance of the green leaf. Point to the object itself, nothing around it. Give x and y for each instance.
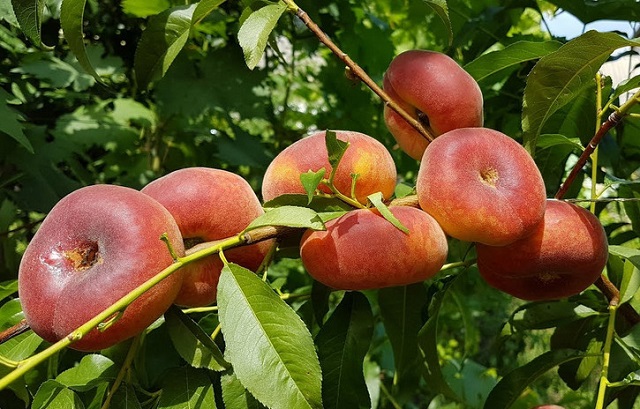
(23, 345)
(204, 8)
(376, 200)
(71, 21)
(428, 344)
(92, 369)
(310, 181)
(549, 140)
(588, 11)
(187, 387)
(53, 395)
(511, 386)
(161, 42)
(125, 398)
(289, 216)
(8, 287)
(627, 253)
(558, 77)
(442, 11)
(512, 55)
(11, 121)
(29, 16)
(192, 343)
(342, 344)
(267, 343)
(548, 314)
(235, 396)
(319, 204)
(335, 149)
(625, 86)
(630, 282)
(144, 8)
(256, 29)
(401, 309)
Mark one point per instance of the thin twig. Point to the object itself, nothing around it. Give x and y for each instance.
(14, 331)
(357, 71)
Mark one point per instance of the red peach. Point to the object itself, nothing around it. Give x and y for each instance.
(365, 156)
(564, 256)
(434, 89)
(96, 245)
(362, 250)
(481, 186)
(209, 205)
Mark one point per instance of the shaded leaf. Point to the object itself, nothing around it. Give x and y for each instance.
(161, 42)
(442, 11)
(548, 314)
(335, 148)
(11, 121)
(29, 16)
(125, 398)
(256, 29)
(588, 11)
(267, 343)
(289, 216)
(558, 77)
(187, 387)
(192, 343)
(512, 55)
(342, 344)
(204, 8)
(549, 140)
(7, 288)
(71, 20)
(235, 396)
(401, 309)
(376, 200)
(511, 386)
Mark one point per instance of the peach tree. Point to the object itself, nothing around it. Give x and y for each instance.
(342, 223)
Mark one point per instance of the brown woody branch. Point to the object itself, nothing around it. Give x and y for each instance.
(362, 75)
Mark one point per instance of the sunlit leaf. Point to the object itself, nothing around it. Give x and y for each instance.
(376, 200)
(144, 8)
(549, 140)
(256, 29)
(558, 77)
(289, 216)
(442, 11)
(92, 368)
(11, 122)
(267, 343)
(53, 395)
(235, 395)
(161, 42)
(510, 56)
(310, 181)
(29, 16)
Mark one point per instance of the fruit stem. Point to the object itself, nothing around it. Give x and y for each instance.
(356, 70)
(606, 355)
(31, 362)
(594, 156)
(613, 120)
(14, 331)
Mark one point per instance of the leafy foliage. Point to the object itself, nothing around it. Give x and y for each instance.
(135, 89)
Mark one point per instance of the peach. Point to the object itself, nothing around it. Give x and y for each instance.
(434, 89)
(564, 256)
(96, 245)
(362, 250)
(365, 156)
(481, 186)
(209, 205)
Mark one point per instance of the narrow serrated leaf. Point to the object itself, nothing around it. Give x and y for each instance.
(310, 181)
(93, 368)
(71, 21)
(342, 344)
(192, 343)
(288, 216)
(267, 343)
(234, 395)
(187, 387)
(511, 386)
(335, 148)
(204, 8)
(29, 16)
(428, 344)
(256, 29)
(401, 309)
(510, 56)
(376, 200)
(558, 77)
(53, 395)
(442, 11)
(161, 42)
(11, 122)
